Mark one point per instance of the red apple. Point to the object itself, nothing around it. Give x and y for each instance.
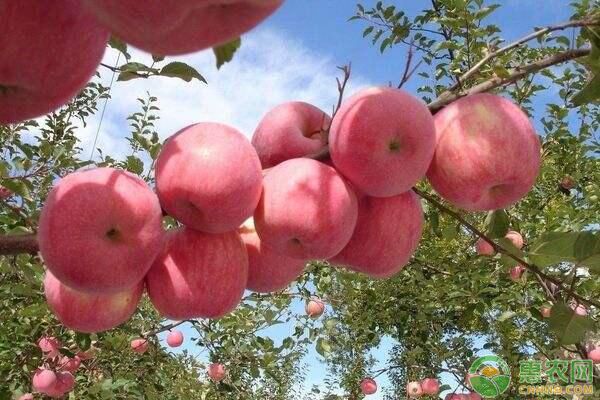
(473, 396)
(387, 233)
(579, 309)
(483, 248)
(487, 155)
(65, 382)
(100, 230)
(306, 211)
(171, 27)
(90, 312)
(594, 354)
(69, 364)
(382, 139)
(516, 273)
(216, 372)
(43, 379)
(430, 386)
(268, 271)
(290, 130)
(49, 50)
(368, 386)
(175, 338)
(5, 193)
(198, 275)
(567, 183)
(315, 308)
(50, 346)
(515, 238)
(546, 312)
(139, 345)
(414, 389)
(208, 176)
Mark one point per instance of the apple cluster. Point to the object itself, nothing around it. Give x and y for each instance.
(49, 50)
(55, 377)
(252, 214)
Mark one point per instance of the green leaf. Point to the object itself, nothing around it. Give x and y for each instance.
(127, 76)
(323, 347)
(181, 70)
(225, 52)
(119, 45)
(589, 94)
(506, 315)
(135, 165)
(17, 186)
(575, 247)
(496, 224)
(569, 327)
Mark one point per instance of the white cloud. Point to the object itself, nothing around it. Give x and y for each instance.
(270, 68)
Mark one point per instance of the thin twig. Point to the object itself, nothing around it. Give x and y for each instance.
(517, 73)
(525, 39)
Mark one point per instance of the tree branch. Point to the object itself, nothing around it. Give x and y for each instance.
(517, 73)
(525, 39)
(18, 244)
(534, 269)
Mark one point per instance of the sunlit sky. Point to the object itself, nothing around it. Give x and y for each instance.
(292, 56)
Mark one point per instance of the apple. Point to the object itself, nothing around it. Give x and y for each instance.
(268, 271)
(50, 346)
(382, 139)
(69, 364)
(546, 312)
(515, 238)
(483, 248)
(290, 130)
(387, 233)
(473, 396)
(414, 389)
(516, 273)
(594, 354)
(43, 379)
(216, 372)
(171, 27)
(139, 345)
(306, 211)
(430, 386)
(198, 275)
(487, 155)
(100, 230)
(90, 312)
(315, 307)
(175, 338)
(26, 396)
(454, 396)
(567, 183)
(65, 382)
(368, 386)
(5, 193)
(208, 176)
(49, 50)
(579, 309)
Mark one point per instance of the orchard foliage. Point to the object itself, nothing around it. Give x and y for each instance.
(445, 305)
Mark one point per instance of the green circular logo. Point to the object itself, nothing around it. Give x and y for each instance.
(489, 376)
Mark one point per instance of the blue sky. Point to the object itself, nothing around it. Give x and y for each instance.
(292, 56)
